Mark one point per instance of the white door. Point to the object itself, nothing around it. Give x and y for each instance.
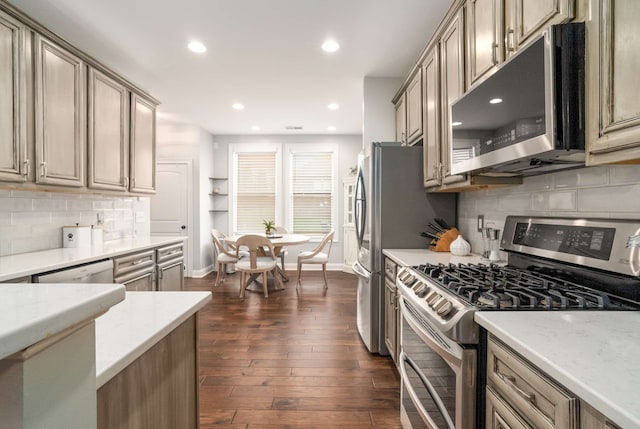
(170, 206)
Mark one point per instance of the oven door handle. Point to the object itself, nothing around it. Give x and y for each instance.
(404, 360)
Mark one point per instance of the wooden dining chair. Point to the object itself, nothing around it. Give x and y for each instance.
(317, 256)
(261, 260)
(224, 256)
(283, 251)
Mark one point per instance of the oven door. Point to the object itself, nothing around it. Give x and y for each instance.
(438, 376)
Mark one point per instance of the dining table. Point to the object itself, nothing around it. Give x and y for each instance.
(279, 241)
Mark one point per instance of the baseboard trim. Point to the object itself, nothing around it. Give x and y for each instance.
(332, 266)
(198, 274)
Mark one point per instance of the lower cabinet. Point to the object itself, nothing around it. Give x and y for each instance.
(170, 267)
(519, 395)
(391, 310)
(159, 390)
(136, 271)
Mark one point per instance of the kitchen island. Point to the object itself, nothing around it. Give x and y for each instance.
(59, 343)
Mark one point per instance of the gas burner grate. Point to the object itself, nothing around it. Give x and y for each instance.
(490, 286)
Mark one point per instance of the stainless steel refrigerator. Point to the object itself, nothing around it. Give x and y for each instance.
(391, 209)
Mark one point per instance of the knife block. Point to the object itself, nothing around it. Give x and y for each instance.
(443, 244)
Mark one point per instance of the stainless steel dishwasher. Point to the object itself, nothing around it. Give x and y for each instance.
(92, 272)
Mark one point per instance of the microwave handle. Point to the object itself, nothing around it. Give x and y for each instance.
(406, 360)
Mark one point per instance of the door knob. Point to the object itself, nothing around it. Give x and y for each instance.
(183, 227)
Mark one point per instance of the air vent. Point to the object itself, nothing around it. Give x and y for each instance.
(293, 127)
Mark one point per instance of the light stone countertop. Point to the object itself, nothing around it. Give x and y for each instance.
(25, 264)
(409, 257)
(32, 313)
(132, 327)
(594, 354)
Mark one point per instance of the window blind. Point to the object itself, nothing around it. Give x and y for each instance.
(255, 198)
(311, 207)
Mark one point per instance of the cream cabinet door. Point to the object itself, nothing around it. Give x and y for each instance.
(431, 132)
(60, 113)
(452, 86)
(13, 142)
(108, 140)
(401, 120)
(613, 61)
(143, 145)
(414, 108)
(485, 45)
(527, 18)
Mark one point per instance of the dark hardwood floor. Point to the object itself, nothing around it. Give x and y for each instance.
(291, 360)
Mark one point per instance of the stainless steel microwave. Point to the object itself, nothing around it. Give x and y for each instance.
(527, 117)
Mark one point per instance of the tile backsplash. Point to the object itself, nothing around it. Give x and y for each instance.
(32, 221)
(605, 192)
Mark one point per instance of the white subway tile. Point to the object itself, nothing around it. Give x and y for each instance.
(64, 218)
(29, 194)
(582, 177)
(5, 248)
(79, 205)
(516, 203)
(486, 204)
(89, 217)
(15, 204)
(624, 174)
(30, 218)
(49, 204)
(46, 230)
(554, 201)
(28, 245)
(5, 192)
(538, 183)
(5, 218)
(103, 205)
(10, 232)
(625, 198)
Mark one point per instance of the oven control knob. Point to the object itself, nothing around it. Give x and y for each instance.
(418, 287)
(444, 309)
(438, 302)
(432, 298)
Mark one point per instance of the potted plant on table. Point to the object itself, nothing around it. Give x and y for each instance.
(269, 226)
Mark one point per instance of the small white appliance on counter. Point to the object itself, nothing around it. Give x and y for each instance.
(76, 236)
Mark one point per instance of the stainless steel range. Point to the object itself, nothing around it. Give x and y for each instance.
(554, 264)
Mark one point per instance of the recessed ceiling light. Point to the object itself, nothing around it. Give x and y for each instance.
(238, 106)
(255, 128)
(195, 46)
(333, 106)
(495, 101)
(456, 124)
(331, 128)
(330, 46)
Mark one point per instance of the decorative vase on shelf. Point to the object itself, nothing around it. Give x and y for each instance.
(460, 247)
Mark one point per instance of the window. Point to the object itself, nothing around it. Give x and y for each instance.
(255, 190)
(311, 198)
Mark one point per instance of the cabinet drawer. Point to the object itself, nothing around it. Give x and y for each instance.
(141, 261)
(501, 415)
(534, 396)
(170, 253)
(390, 268)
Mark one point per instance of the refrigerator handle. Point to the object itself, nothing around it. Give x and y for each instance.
(360, 207)
(360, 271)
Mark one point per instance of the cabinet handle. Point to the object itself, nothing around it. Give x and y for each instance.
(133, 183)
(511, 382)
(494, 57)
(27, 168)
(43, 169)
(126, 182)
(139, 261)
(511, 46)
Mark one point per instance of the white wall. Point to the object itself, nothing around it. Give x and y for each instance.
(378, 112)
(348, 148)
(595, 192)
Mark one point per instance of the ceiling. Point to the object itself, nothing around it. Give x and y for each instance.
(264, 54)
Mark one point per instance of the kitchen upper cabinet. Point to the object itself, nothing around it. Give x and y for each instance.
(451, 87)
(60, 115)
(498, 28)
(528, 18)
(612, 62)
(409, 111)
(14, 164)
(431, 139)
(401, 119)
(108, 139)
(414, 108)
(485, 41)
(143, 145)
